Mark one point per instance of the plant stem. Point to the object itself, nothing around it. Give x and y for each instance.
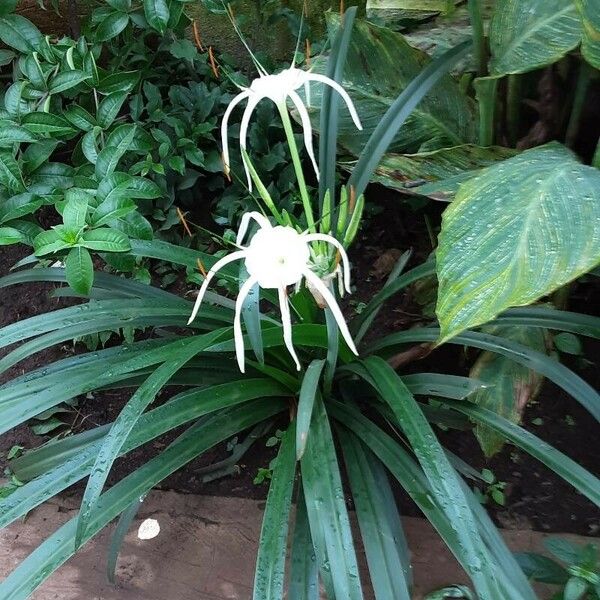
(583, 84)
(289, 133)
(513, 108)
(486, 89)
(478, 36)
(596, 159)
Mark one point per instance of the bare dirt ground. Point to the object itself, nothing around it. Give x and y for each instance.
(206, 550)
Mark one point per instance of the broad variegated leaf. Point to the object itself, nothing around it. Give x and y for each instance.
(380, 65)
(589, 11)
(517, 232)
(509, 385)
(528, 34)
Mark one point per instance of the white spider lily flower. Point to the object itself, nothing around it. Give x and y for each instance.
(279, 88)
(275, 258)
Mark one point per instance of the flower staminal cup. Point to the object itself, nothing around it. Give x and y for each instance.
(278, 88)
(276, 258)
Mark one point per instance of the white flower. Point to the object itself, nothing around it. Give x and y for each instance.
(276, 258)
(279, 88)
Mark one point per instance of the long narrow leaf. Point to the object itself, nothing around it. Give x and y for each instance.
(553, 370)
(116, 540)
(306, 401)
(562, 465)
(60, 546)
(63, 463)
(161, 318)
(372, 314)
(125, 287)
(397, 114)
(125, 422)
(549, 318)
(425, 270)
(403, 467)
(270, 564)
(442, 385)
(379, 521)
(304, 573)
(442, 477)
(327, 514)
(329, 117)
(116, 308)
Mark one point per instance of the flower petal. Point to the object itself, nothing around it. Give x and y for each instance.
(306, 127)
(314, 237)
(211, 273)
(237, 322)
(253, 100)
(258, 217)
(340, 90)
(329, 298)
(286, 321)
(241, 96)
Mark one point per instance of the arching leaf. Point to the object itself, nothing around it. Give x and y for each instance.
(517, 232)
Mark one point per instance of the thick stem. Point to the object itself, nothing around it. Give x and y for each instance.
(478, 36)
(289, 133)
(583, 84)
(513, 108)
(486, 89)
(596, 159)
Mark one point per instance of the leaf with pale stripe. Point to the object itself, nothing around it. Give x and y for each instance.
(529, 34)
(519, 231)
(589, 11)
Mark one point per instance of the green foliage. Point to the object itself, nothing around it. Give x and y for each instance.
(96, 129)
(99, 117)
(577, 573)
(526, 34)
(518, 231)
(509, 386)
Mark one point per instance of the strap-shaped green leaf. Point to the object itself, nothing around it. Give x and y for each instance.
(60, 546)
(327, 514)
(122, 427)
(272, 547)
(404, 468)
(118, 536)
(549, 318)
(553, 370)
(304, 574)
(360, 323)
(330, 102)
(562, 465)
(51, 469)
(306, 402)
(442, 477)
(380, 527)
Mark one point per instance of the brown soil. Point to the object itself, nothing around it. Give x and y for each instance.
(535, 497)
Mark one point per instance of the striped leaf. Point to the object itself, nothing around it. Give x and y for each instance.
(589, 11)
(517, 232)
(510, 386)
(529, 34)
(380, 65)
